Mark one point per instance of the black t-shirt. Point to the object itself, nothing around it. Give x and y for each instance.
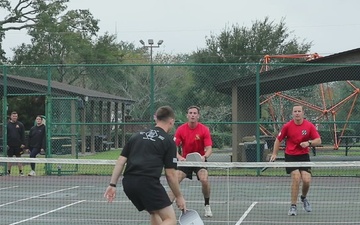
(148, 152)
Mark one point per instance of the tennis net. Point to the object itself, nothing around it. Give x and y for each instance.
(70, 191)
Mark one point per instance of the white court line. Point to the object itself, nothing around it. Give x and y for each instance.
(24, 199)
(246, 213)
(8, 187)
(51, 211)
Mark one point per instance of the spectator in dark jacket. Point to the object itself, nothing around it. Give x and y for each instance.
(37, 141)
(15, 140)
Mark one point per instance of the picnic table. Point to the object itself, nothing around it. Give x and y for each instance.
(349, 141)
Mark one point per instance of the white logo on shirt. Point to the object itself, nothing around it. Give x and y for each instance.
(150, 135)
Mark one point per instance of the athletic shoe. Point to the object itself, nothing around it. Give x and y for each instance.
(32, 173)
(306, 205)
(208, 212)
(292, 211)
(21, 174)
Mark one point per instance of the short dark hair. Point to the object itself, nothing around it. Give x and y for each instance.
(298, 105)
(164, 113)
(13, 112)
(194, 107)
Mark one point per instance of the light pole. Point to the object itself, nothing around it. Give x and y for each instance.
(152, 82)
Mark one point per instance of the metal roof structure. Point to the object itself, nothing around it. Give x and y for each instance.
(345, 67)
(19, 84)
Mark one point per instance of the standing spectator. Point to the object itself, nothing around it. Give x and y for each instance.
(300, 135)
(194, 136)
(15, 140)
(37, 141)
(145, 155)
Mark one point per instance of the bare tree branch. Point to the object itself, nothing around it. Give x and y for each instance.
(18, 28)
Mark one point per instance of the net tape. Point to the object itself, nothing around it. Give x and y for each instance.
(188, 164)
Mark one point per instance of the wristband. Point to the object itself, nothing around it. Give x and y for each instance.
(112, 185)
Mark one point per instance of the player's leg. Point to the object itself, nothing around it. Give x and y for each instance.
(10, 153)
(203, 177)
(33, 154)
(165, 216)
(18, 153)
(295, 182)
(306, 179)
(181, 174)
(157, 203)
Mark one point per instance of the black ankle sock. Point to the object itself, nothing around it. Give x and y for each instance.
(207, 201)
(8, 171)
(302, 197)
(293, 205)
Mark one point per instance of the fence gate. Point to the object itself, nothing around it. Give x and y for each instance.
(63, 123)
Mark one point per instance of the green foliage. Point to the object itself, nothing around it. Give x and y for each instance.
(236, 44)
(221, 140)
(27, 107)
(327, 136)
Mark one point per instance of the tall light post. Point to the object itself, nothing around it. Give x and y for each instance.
(152, 79)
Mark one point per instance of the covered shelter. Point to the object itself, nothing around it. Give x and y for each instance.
(82, 103)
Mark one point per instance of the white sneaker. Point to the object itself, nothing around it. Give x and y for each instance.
(208, 212)
(32, 173)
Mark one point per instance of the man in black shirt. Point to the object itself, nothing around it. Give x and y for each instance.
(145, 155)
(15, 140)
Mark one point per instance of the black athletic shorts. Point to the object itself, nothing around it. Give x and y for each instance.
(190, 170)
(146, 193)
(14, 151)
(297, 158)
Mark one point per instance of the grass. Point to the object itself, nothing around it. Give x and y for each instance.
(89, 169)
(110, 155)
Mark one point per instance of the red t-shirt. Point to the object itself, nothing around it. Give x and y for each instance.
(193, 140)
(295, 134)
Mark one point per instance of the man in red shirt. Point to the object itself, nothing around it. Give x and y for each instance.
(194, 136)
(300, 134)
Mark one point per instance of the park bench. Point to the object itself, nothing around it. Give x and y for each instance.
(107, 145)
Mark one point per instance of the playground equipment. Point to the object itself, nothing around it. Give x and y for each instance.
(326, 110)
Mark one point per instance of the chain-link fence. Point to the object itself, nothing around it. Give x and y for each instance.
(93, 108)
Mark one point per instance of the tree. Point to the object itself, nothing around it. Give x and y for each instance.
(25, 14)
(59, 38)
(171, 82)
(71, 38)
(238, 44)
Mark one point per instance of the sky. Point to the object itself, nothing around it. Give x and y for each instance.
(331, 25)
